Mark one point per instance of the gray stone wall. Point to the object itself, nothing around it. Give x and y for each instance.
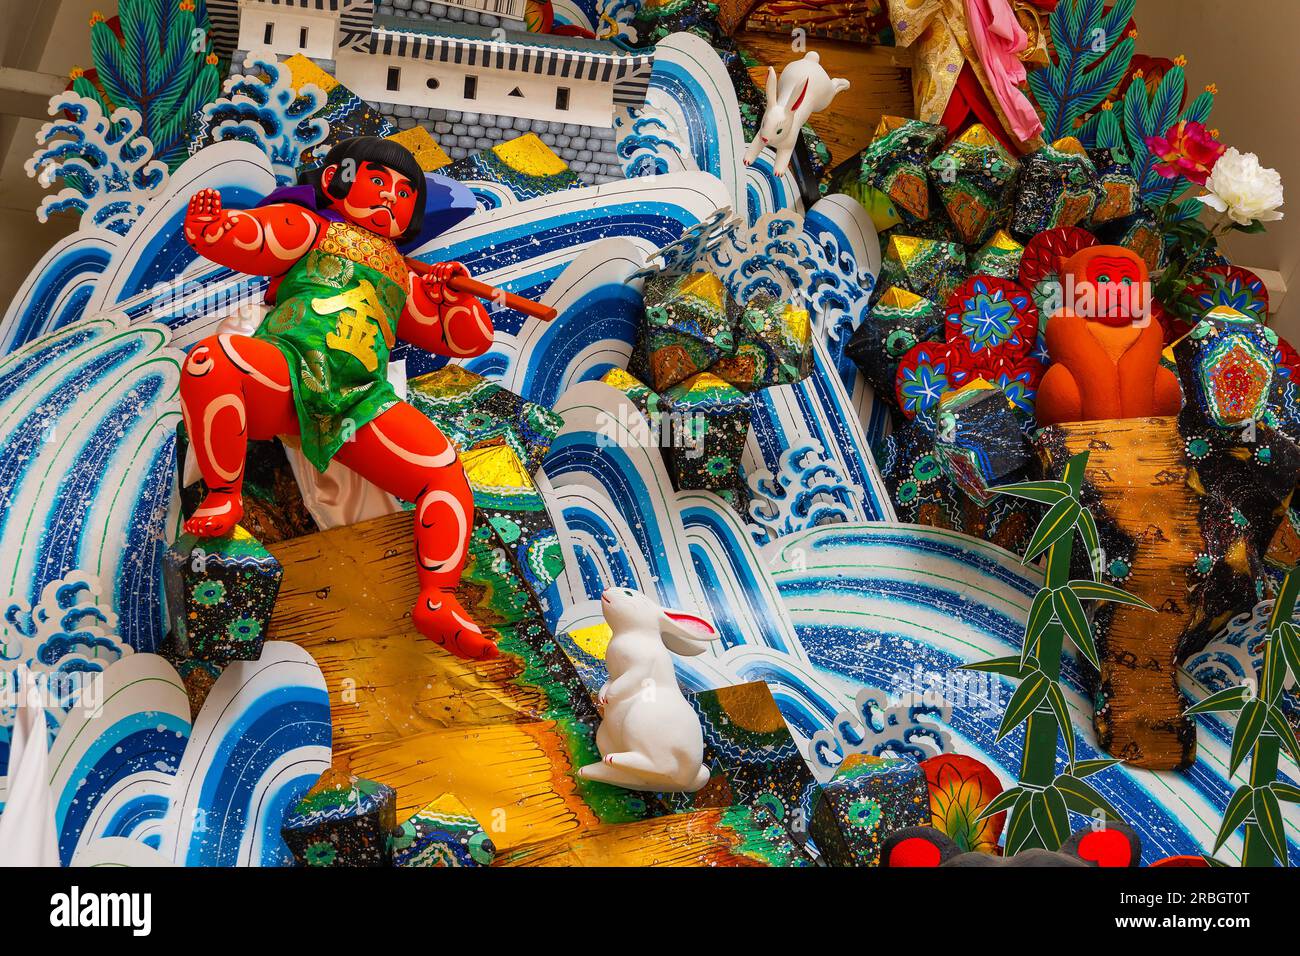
(426, 10)
(588, 150)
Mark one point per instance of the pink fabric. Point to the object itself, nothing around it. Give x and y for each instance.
(998, 37)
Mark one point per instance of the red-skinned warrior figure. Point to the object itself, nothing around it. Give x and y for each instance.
(341, 294)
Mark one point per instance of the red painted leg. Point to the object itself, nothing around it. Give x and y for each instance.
(404, 453)
(232, 388)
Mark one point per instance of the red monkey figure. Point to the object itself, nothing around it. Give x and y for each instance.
(317, 366)
(1104, 345)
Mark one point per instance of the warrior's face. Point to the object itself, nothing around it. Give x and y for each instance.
(379, 199)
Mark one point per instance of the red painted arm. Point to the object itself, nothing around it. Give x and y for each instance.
(265, 241)
(441, 320)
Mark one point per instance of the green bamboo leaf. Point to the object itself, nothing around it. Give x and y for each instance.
(1057, 700)
(1006, 666)
(1280, 726)
(1003, 801)
(1287, 639)
(1086, 768)
(1274, 675)
(1051, 818)
(1056, 524)
(1021, 829)
(1234, 815)
(1096, 591)
(1069, 611)
(1249, 725)
(1040, 615)
(1030, 693)
(1285, 791)
(1268, 816)
(1228, 700)
(1044, 492)
(1082, 798)
(1087, 526)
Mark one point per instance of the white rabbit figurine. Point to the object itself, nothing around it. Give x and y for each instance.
(650, 736)
(805, 88)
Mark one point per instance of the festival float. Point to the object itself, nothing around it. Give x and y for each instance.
(664, 433)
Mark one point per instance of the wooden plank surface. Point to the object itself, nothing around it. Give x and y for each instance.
(683, 839)
(346, 597)
(1138, 468)
(880, 79)
(516, 778)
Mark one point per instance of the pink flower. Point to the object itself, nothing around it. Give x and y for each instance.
(1187, 149)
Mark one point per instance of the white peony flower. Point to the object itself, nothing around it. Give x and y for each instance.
(1245, 190)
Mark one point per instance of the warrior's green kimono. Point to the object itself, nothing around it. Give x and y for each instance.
(335, 320)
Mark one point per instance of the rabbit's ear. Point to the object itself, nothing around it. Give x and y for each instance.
(685, 634)
(771, 86)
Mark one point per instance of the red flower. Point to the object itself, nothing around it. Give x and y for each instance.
(1187, 150)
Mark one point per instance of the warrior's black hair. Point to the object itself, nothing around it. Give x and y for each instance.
(370, 149)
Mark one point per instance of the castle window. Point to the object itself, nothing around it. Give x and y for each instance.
(562, 98)
(517, 92)
(431, 82)
(268, 34)
(302, 39)
(471, 87)
(394, 78)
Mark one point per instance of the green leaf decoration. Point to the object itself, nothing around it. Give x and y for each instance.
(1031, 692)
(1281, 728)
(1287, 639)
(1268, 815)
(1082, 798)
(1020, 831)
(159, 68)
(1234, 815)
(1044, 492)
(1285, 791)
(1040, 616)
(1006, 666)
(1148, 114)
(1051, 818)
(1273, 672)
(1228, 700)
(1069, 611)
(1096, 591)
(1056, 524)
(1003, 801)
(1250, 724)
(1086, 768)
(1090, 59)
(1087, 526)
(1213, 862)
(1057, 700)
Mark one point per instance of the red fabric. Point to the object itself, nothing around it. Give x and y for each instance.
(969, 105)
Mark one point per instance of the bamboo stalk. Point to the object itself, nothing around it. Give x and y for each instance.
(1038, 761)
(1268, 748)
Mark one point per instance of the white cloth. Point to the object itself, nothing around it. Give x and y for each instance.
(27, 833)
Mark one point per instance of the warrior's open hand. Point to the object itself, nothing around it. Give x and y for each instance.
(205, 217)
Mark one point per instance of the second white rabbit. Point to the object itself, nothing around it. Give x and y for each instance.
(649, 736)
